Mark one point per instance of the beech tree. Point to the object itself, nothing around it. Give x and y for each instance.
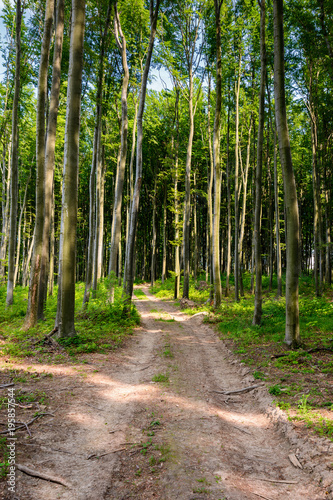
(292, 334)
(67, 251)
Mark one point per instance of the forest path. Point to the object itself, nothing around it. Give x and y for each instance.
(177, 440)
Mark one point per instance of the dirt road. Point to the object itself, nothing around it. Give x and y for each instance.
(117, 434)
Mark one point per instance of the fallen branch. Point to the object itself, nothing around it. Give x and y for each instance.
(23, 424)
(41, 475)
(272, 480)
(96, 455)
(314, 349)
(262, 496)
(6, 385)
(237, 391)
(242, 430)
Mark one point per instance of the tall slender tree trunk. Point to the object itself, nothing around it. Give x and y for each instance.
(130, 244)
(52, 243)
(245, 173)
(228, 268)
(187, 203)
(177, 247)
(237, 90)
(164, 262)
(277, 221)
(50, 155)
(18, 246)
(67, 253)
(120, 176)
(210, 178)
(14, 160)
(216, 158)
(5, 198)
(257, 214)
(153, 243)
(292, 335)
(33, 313)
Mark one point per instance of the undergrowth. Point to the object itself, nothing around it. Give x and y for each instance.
(101, 326)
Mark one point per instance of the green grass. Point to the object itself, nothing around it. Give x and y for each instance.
(100, 327)
(161, 378)
(140, 294)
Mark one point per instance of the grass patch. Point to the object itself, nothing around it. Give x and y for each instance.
(140, 294)
(100, 327)
(162, 378)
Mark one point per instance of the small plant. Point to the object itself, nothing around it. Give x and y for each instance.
(161, 378)
(259, 375)
(275, 390)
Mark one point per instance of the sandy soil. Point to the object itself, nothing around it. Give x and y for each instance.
(116, 434)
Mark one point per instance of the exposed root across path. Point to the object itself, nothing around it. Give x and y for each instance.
(116, 434)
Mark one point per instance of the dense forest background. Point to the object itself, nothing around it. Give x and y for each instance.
(182, 182)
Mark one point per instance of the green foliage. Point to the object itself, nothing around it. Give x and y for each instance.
(161, 378)
(101, 326)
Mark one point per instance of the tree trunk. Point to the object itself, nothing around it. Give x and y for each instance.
(14, 161)
(164, 234)
(5, 198)
(210, 179)
(257, 214)
(237, 89)
(228, 269)
(292, 335)
(120, 176)
(177, 248)
(153, 243)
(187, 203)
(33, 312)
(50, 155)
(216, 158)
(18, 246)
(130, 244)
(67, 253)
(277, 221)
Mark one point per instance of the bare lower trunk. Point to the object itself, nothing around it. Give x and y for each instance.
(217, 165)
(14, 161)
(257, 215)
(237, 89)
(130, 244)
(164, 234)
(292, 335)
(50, 155)
(33, 313)
(67, 254)
(19, 231)
(120, 176)
(210, 178)
(277, 221)
(228, 269)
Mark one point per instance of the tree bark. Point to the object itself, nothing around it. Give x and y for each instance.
(14, 161)
(130, 244)
(33, 313)
(216, 158)
(292, 335)
(50, 155)
(257, 214)
(237, 89)
(67, 253)
(120, 176)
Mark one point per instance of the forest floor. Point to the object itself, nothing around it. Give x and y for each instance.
(150, 421)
